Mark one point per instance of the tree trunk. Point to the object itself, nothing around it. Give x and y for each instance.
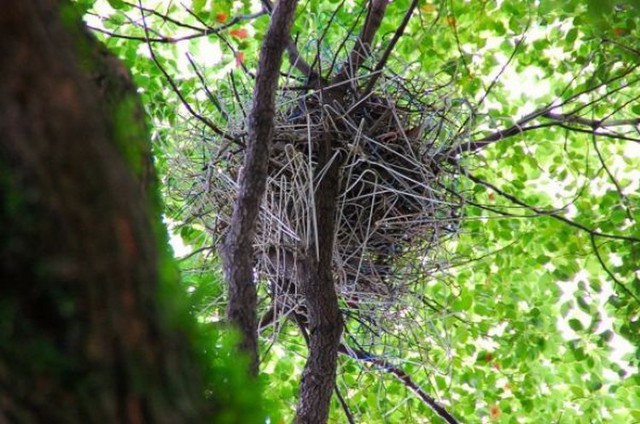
(84, 335)
(325, 318)
(237, 251)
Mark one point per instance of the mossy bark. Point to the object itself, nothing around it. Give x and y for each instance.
(84, 335)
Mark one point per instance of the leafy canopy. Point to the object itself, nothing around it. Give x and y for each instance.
(536, 318)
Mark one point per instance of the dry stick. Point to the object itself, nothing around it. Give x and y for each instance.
(237, 250)
(403, 377)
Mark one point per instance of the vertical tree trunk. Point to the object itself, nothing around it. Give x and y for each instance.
(237, 251)
(83, 331)
(325, 318)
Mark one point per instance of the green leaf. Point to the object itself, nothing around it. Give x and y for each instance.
(575, 324)
(198, 5)
(117, 4)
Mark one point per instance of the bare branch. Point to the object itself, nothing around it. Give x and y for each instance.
(345, 407)
(551, 214)
(591, 123)
(176, 90)
(403, 377)
(503, 68)
(362, 48)
(604, 266)
(199, 32)
(474, 146)
(546, 112)
(377, 71)
(294, 55)
(205, 86)
(623, 199)
(237, 250)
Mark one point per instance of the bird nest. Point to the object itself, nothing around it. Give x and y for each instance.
(397, 198)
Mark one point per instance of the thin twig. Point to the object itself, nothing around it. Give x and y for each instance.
(344, 406)
(176, 90)
(617, 282)
(377, 71)
(362, 48)
(548, 213)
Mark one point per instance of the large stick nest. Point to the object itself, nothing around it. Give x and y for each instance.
(397, 203)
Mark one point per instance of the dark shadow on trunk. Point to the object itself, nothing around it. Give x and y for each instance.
(84, 333)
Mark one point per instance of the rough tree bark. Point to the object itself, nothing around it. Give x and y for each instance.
(84, 333)
(325, 319)
(237, 252)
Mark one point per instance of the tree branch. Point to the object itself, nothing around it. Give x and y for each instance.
(604, 266)
(362, 48)
(591, 123)
(377, 71)
(206, 121)
(403, 377)
(556, 119)
(294, 55)
(237, 249)
(551, 214)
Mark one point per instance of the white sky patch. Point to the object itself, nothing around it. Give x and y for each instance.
(498, 330)
(177, 244)
(529, 84)
(205, 52)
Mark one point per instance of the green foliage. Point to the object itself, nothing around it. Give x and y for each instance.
(235, 397)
